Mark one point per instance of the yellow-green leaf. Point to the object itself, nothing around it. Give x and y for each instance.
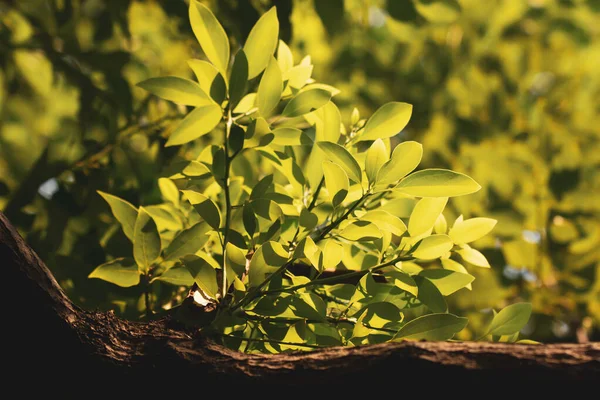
(377, 155)
(424, 215)
(447, 281)
(452, 265)
(146, 240)
(269, 89)
(306, 102)
(207, 209)
(437, 327)
(203, 273)
(168, 190)
(178, 276)
(433, 247)
(472, 229)
(437, 183)
(121, 272)
(261, 42)
(387, 121)
(123, 211)
(210, 35)
(210, 79)
(188, 241)
(336, 182)
(265, 261)
(510, 319)
(178, 90)
(361, 231)
(473, 256)
(196, 124)
(385, 221)
(342, 157)
(285, 59)
(405, 158)
(332, 253)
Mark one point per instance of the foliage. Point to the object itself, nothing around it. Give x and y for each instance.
(327, 197)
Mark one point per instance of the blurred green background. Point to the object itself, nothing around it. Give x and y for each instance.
(503, 90)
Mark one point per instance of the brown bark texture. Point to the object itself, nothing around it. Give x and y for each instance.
(47, 336)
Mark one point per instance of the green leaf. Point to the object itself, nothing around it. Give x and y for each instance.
(309, 250)
(435, 327)
(285, 58)
(123, 211)
(402, 280)
(455, 266)
(469, 230)
(473, 256)
(178, 90)
(210, 35)
(262, 187)
(204, 274)
(433, 247)
(178, 276)
(437, 183)
(327, 120)
(510, 319)
(336, 182)
(286, 136)
(121, 272)
(210, 79)
(307, 220)
(430, 295)
(361, 231)
(164, 217)
(298, 76)
(207, 209)
(439, 11)
(238, 81)
(146, 240)
(261, 42)
(249, 219)
(343, 158)
(405, 158)
(265, 261)
(196, 124)
(387, 121)
(306, 102)
(187, 242)
(385, 221)
(169, 190)
(309, 306)
(424, 215)
(269, 89)
(447, 281)
(377, 155)
(332, 253)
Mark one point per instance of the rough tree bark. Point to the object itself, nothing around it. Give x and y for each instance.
(48, 336)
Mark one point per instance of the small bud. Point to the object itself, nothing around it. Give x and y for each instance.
(355, 116)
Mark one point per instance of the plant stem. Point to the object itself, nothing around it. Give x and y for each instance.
(335, 279)
(335, 223)
(147, 295)
(227, 204)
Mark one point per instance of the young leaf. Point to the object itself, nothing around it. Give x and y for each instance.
(210, 35)
(437, 183)
(424, 215)
(178, 276)
(387, 121)
(169, 190)
(261, 42)
(121, 272)
(327, 120)
(265, 261)
(473, 256)
(285, 58)
(432, 327)
(269, 89)
(178, 90)
(332, 253)
(207, 209)
(238, 80)
(196, 124)
(452, 265)
(210, 79)
(510, 319)
(146, 240)
(447, 281)
(297, 76)
(203, 273)
(405, 158)
(309, 250)
(377, 155)
(336, 182)
(187, 242)
(469, 230)
(385, 221)
(306, 102)
(123, 211)
(361, 231)
(430, 295)
(343, 158)
(433, 247)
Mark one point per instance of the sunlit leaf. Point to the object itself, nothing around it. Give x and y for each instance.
(447, 281)
(473, 256)
(305, 102)
(178, 90)
(387, 121)
(210, 35)
(261, 42)
(265, 261)
(121, 272)
(188, 241)
(424, 215)
(123, 211)
(432, 327)
(433, 247)
(437, 183)
(510, 319)
(146, 240)
(405, 158)
(377, 155)
(178, 276)
(207, 209)
(343, 158)
(336, 182)
(472, 229)
(196, 124)
(269, 89)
